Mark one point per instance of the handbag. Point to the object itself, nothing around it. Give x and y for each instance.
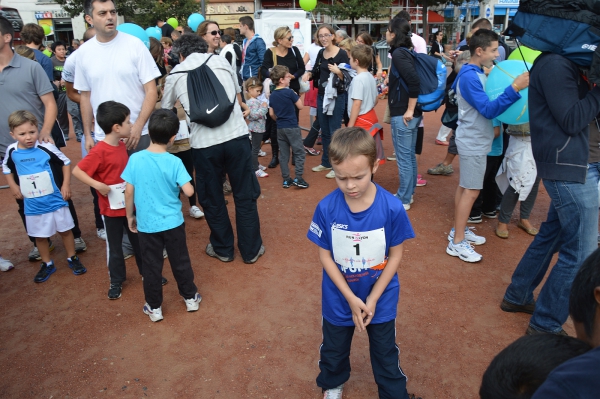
(450, 118)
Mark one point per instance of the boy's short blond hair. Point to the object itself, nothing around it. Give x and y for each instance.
(279, 72)
(363, 54)
(352, 141)
(19, 118)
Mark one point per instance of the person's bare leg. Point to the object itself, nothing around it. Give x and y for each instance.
(463, 202)
(526, 223)
(69, 242)
(448, 160)
(44, 248)
(502, 227)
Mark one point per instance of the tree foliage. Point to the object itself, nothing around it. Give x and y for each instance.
(142, 12)
(356, 9)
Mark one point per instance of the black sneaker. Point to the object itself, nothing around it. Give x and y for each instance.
(76, 265)
(114, 292)
(299, 182)
(287, 183)
(490, 215)
(512, 308)
(475, 219)
(45, 271)
(164, 281)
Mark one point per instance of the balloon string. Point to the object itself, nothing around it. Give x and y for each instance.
(503, 70)
(522, 56)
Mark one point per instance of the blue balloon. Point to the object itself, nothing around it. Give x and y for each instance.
(499, 79)
(194, 21)
(154, 32)
(135, 30)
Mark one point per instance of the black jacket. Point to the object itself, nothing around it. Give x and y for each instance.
(560, 112)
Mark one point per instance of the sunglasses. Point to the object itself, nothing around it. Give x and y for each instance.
(289, 39)
(216, 32)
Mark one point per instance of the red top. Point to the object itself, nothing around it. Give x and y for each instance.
(105, 164)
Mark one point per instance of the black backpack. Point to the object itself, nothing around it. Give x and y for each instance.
(209, 104)
(507, 49)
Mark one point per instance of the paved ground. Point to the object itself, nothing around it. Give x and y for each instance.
(257, 332)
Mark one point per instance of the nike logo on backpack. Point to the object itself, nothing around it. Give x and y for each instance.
(210, 112)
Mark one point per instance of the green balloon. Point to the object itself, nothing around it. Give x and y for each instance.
(47, 29)
(308, 5)
(47, 52)
(173, 22)
(523, 53)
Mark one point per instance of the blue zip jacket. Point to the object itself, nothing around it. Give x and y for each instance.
(255, 53)
(561, 106)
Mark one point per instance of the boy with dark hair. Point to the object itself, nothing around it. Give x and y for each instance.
(282, 108)
(579, 378)
(474, 136)
(101, 169)
(35, 171)
(154, 178)
(520, 368)
(360, 229)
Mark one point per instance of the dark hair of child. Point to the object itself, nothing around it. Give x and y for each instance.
(163, 125)
(111, 113)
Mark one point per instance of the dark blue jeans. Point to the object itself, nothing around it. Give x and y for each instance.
(335, 358)
(232, 157)
(571, 229)
(330, 123)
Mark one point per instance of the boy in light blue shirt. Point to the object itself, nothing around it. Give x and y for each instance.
(154, 178)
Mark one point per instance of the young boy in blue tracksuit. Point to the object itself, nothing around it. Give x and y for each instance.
(475, 134)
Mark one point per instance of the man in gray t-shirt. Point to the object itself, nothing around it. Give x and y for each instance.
(25, 86)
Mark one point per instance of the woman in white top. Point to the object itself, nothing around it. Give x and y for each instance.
(310, 98)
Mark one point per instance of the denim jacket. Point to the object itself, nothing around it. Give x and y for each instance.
(253, 59)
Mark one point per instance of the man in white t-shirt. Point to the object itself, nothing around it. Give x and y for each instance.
(115, 66)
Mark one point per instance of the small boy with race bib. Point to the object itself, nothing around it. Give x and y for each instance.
(360, 229)
(34, 172)
(101, 169)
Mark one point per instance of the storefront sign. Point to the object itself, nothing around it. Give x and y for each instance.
(229, 21)
(51, 14)
(229, 8)
(509, 2)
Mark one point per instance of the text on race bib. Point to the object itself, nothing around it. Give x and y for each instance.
(357, 251)
(36, 185)
(116, 195)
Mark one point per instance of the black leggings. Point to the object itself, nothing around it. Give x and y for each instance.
(311, 138)
(188, 162)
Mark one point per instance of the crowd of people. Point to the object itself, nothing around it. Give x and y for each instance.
(138, 156)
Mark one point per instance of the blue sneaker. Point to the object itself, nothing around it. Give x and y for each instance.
(45, 271)
(76, 265)
(287, 183)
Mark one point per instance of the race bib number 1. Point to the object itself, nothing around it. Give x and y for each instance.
(116, 196)
(358, 251)
(36, 185)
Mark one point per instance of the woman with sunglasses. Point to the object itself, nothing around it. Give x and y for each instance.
(284, 53)
(210, 32)
(326, 63)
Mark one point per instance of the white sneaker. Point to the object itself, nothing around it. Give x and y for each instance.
(261, 167)
(195, 212)
(193, 304)
(334, 393)
(261, 153)
(464, 251)
(5, 264)
(406, 206)
(101, 234)
(261, 173)
(330, 175)
(320, 168)
(392, 158)
(165, 254)
(469, 236)
(154, 314)
(412, 199)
